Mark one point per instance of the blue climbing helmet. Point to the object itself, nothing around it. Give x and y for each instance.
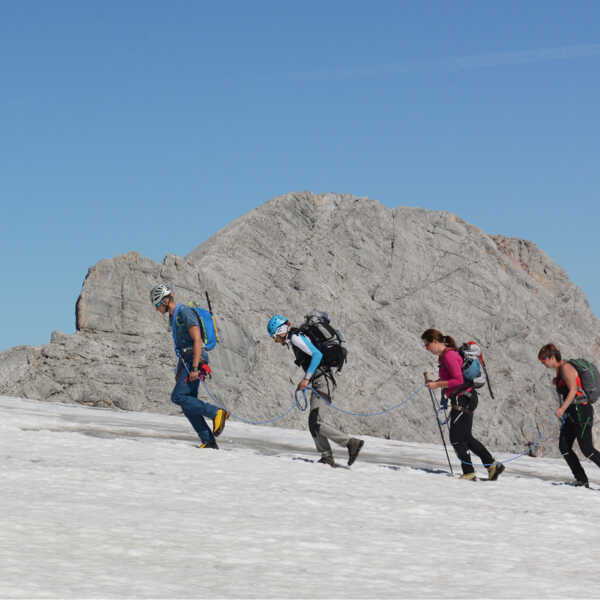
(275, 322)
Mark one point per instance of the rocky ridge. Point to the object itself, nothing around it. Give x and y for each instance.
(383, 275)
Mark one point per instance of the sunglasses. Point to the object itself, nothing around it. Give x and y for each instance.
(427, 344)
(545, 357)
(160, 303)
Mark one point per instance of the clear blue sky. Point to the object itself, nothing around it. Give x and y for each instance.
(122, 122)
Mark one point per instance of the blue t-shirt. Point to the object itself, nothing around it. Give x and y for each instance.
(185, 317)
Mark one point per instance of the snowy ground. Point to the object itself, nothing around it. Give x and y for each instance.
(103, 504)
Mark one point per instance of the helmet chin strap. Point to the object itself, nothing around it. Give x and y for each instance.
(282, 330)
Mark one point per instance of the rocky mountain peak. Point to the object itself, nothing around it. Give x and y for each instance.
(383, 275)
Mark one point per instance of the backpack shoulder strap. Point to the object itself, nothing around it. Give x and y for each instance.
(174, 325)
(448, 349)
(292, 331)
(574, 364)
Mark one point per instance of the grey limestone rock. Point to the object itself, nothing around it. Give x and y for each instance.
(383, 275)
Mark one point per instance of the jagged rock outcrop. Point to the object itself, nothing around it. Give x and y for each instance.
(384, 275)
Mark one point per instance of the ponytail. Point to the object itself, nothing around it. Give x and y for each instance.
(449, 341)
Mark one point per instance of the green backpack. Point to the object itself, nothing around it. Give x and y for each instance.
(590, 378)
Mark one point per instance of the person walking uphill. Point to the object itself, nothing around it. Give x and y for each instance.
(463, 402)
(575, 410)
(321, 380)
(192, 366)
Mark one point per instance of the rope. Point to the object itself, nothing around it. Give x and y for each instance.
(516, 457)
(217, 403)
(303, 405)
(360, 414)
(273, 420)
(532, 445)
(439, 409)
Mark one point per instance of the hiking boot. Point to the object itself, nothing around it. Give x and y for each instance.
(469, 476)
(494, 470)
(354, 446)
(212, 444)
(581, 484)
(327, 460)
(219, 421)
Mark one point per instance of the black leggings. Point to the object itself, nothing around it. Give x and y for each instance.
(461, 438)
(578, 424)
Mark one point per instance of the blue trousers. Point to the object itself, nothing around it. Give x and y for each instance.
(185, 394)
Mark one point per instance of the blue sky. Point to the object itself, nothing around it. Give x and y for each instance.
(120, 121)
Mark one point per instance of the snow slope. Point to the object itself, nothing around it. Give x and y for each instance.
(104, 504)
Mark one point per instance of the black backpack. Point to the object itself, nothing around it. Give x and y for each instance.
(327, 340)
(590, 378)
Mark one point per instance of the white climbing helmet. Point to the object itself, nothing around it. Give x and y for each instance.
(158, 293)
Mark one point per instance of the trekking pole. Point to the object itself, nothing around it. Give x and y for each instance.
(438, 422)
(488, 381)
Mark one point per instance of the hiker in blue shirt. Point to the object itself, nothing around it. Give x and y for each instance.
(321, 380)
(192, 366)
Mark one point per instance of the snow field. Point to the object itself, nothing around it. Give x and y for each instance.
(108, 504)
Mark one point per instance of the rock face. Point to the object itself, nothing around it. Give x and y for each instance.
(383, 275)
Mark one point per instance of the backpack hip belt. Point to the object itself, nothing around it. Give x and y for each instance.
(464, 400)
(580, 400)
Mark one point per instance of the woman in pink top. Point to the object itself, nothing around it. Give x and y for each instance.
(463, 401)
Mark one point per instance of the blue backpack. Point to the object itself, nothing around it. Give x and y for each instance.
(473, 368)
(208, 328)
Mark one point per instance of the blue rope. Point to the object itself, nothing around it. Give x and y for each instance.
(439, 409)
(522, 453)
(301, 407)
(359, 414)
(516, 457)
(217, 403)
(273, 420)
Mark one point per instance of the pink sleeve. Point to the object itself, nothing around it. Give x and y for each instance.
(453, 362)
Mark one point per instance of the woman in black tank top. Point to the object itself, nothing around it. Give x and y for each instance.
(575, 412)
